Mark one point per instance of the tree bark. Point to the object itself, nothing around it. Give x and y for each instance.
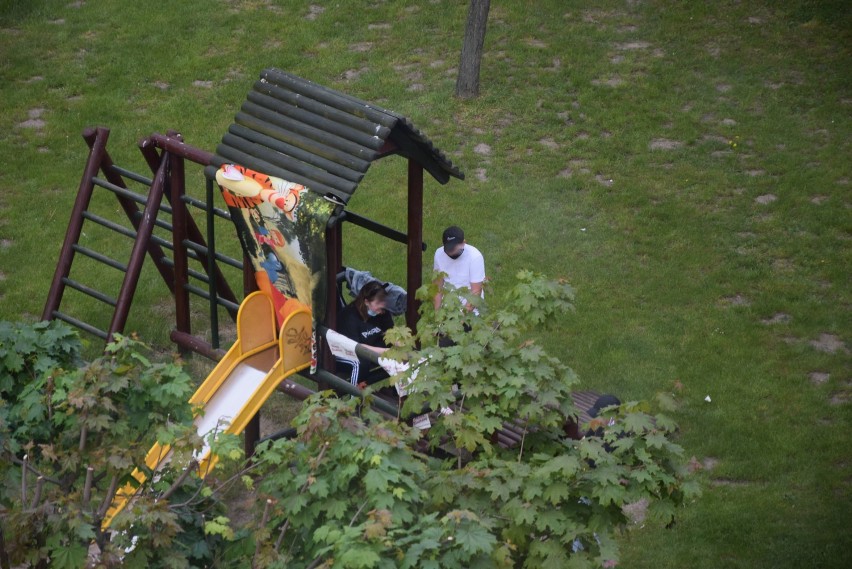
(467, 83)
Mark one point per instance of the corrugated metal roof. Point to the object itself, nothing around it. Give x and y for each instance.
(294, 129)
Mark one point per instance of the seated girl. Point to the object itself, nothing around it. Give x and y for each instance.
(366, 320)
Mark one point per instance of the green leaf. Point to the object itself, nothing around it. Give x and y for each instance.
(555, 493)
(638, 422)
(656, 440)
(358, 558)
(473, 538)
(69, 556)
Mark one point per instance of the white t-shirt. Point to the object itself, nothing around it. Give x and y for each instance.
(469, 268)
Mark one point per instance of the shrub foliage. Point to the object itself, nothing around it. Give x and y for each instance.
(353, 488)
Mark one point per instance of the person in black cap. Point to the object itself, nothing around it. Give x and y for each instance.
(462, 263)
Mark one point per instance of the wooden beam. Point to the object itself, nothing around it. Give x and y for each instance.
(415, 240)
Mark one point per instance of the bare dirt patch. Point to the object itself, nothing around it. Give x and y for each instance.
(664, 144)
(481, 174)
(34, 119)
(840, 398)
(604, 180)
(361, 47)
(819, 200)
(613, 81)
(482, 149)
(766, 199)
(819, 377)
(632, 46)
(736, 300)
(353, 74)
(314, 11)
(202, 84)
(829, 343)
(777, 318)
(637, 511)
(549, 143)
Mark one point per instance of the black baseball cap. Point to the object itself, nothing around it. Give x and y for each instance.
(452, 238)
(605, 400)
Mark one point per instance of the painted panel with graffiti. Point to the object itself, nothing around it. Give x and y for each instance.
(281, 226)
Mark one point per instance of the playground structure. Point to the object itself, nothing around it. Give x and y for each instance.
(286, 169)
(291, 140)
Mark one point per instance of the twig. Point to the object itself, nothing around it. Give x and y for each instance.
(24, 480)
(214, 491)
(523, 438)
(193, 464)
(84, 431)
(263, 520)
(37, 495)
(352, 521)
(28, 466)
(108, 498)
(87, 488)
(281, 534)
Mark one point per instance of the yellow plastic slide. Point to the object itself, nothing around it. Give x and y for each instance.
(241, 382)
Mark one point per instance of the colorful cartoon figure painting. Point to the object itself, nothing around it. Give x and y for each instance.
(281, 226)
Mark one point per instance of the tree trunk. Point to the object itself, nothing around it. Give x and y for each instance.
(467, 84)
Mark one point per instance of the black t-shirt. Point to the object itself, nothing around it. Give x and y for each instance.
(370, 332)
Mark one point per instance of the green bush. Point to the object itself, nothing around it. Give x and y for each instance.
(351, 491)
(72, 434)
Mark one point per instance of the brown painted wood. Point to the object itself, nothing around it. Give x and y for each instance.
(415, 240)
(197, 345)
(99, 138)
(137, 253)
(148, 148)
(179, 235)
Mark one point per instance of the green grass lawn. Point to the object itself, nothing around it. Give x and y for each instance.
(685, 165)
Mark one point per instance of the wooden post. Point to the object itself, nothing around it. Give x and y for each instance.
(137, 254)
(181, 262)
(175, 147)
(415, 241)
(251, 434)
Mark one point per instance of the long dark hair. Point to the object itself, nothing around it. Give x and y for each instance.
(373, 290)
